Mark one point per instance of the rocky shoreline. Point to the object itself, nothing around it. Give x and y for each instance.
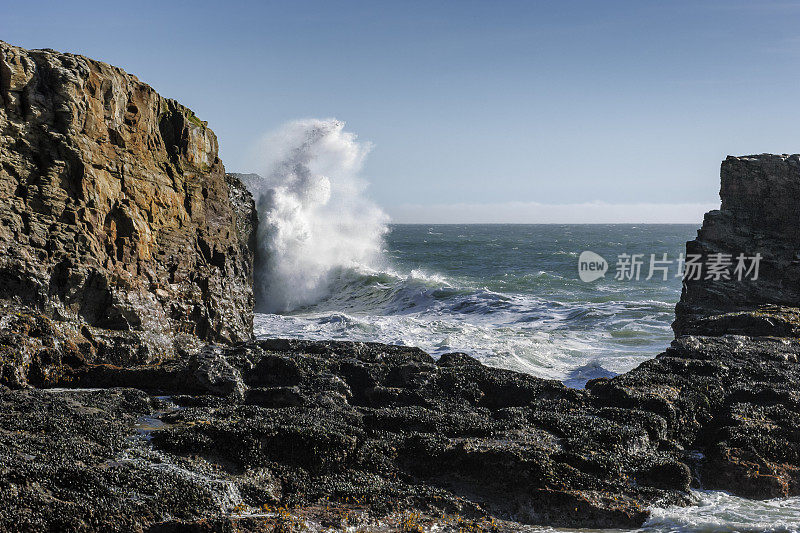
(135, 399)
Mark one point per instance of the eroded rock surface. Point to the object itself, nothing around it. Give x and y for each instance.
(760, 214)
(302, 424)
(323, 430)
(116, 216)
(732, 387)
(731, 402)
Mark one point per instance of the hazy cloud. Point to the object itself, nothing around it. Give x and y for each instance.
(538, 213)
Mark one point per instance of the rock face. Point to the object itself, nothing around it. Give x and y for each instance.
(731, 380)
(760, 213)
(117, 221)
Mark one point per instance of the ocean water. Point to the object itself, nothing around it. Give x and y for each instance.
(509, 295)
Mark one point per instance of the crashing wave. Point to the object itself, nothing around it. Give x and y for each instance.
(314, 219)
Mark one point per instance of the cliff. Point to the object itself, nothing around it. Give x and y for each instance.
(117, 226)
(760, 214)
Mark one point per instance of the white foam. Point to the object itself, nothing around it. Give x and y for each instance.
(722, 512)
(313, 215)
(541, 348)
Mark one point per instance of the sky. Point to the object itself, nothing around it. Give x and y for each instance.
(492, 111)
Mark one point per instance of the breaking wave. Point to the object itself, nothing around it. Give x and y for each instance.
(314, 219)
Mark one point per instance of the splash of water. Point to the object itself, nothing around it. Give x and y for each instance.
(314, 219)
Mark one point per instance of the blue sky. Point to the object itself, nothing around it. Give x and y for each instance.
(502, 110)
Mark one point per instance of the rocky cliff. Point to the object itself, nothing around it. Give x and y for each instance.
(760, 214)
(117, 223)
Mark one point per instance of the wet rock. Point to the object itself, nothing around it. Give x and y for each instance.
(211, 372)
(305, 424)
(322, 422)
(398, 430)
(733, 399)
(727, 387)
(75, 461)
(274, 397)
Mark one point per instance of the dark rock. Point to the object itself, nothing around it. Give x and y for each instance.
(274, 397)
(211, 372)
(759, 214)
(730, 390)
(322, 422)
(457, 359)
(385, 426)
(734, 399)
(402, 429)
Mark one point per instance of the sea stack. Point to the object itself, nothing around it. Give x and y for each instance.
(760, 214)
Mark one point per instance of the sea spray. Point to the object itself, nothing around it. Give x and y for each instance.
(315, 222)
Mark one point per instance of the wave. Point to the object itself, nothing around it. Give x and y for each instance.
(572, 341)
(390, 292)
(314, 218)
(330, 269)
(721, 512)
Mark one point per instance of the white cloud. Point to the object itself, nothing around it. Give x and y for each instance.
(538, 213)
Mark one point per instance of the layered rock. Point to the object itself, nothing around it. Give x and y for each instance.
(116, 218)
(760, 214)
(729, 383)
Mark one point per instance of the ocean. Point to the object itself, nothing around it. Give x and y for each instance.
(511, 296)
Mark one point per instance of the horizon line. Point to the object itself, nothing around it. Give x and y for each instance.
(392, 223)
